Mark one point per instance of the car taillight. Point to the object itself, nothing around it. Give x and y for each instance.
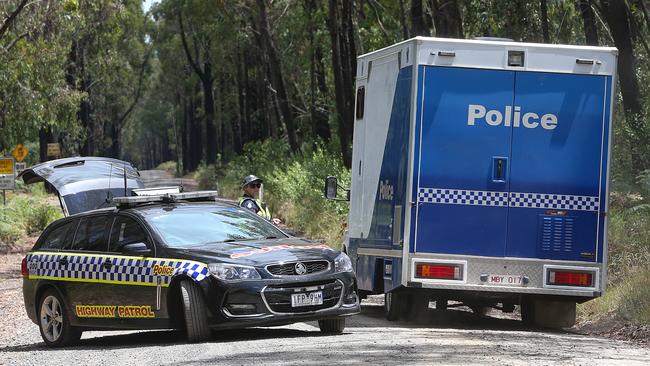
(23, 268)
(439, 271)
(570, 278)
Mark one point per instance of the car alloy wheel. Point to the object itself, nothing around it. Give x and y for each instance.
(51, 318)
(54, 322)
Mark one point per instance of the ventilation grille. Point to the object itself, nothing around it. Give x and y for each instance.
(289, 269)
(556, 234)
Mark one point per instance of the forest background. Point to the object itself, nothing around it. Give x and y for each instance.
(219, 89)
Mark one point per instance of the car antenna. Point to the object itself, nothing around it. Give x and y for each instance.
(108, 193)
(125, 179)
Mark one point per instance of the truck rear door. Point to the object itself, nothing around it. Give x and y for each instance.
(557, 176)
(511, 163)
(462, 183)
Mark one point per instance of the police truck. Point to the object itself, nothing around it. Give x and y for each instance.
(480, 176)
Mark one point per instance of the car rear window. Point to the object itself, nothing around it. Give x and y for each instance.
(59, 237)
(183, 227)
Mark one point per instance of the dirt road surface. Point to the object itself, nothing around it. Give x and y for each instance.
(455, 338)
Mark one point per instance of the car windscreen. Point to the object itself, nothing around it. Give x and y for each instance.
(182, 227)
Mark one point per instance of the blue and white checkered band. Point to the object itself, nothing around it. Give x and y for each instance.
(505, 199)
(463, 197)
(123, 270)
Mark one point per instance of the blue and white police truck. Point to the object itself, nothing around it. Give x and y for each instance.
(480, 176)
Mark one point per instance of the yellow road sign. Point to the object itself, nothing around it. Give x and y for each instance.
(6, 166)
(19, 152)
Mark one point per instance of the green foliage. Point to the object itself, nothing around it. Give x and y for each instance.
(293, 186)
(169, 166)
(26, 214)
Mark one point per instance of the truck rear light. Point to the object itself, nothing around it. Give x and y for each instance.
(570, 278)
(23, 268)
(439, 271)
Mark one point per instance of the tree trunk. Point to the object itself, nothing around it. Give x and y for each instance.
(447, 19)
(277, 76)
(402, 19)
(589, 22)
(418, 26)
(616, 15)
(341, 69)
(544, 10)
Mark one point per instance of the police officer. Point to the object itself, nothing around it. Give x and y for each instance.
(251, 186)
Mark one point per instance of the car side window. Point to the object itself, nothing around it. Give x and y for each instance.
(60, 236)
(91, 234)
(126, 231)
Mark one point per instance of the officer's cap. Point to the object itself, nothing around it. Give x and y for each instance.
(250, 179)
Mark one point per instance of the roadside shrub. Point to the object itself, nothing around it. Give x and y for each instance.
(26, 214)
(206, 177)
(169, 166)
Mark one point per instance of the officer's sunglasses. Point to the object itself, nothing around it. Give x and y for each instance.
(255, 185)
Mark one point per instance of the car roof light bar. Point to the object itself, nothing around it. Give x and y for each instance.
(156, 191)
(123, 202)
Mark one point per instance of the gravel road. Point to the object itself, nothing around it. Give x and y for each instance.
(455, 338)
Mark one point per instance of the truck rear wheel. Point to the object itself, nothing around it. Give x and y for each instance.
(395, 304)
(548, 313)
(196, 319)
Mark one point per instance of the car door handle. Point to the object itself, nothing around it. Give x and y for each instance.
(107, 264)
(63, 261)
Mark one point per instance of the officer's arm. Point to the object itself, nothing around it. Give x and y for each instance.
(249, 204)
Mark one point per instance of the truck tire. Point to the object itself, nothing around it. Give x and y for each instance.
(54, 321)
(548, 313)
(394, 305)
(196, 319)
(332, 326)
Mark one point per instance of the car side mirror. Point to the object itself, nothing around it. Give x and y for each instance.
(330, 187)
(136, 248)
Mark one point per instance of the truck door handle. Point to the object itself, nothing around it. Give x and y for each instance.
(499, 169)
(107, 264)
(63, 262)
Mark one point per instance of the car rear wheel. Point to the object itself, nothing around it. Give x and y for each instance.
(54, 322)
(332, 326)
(196, 319)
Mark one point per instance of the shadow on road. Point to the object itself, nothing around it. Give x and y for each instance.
(162, 338)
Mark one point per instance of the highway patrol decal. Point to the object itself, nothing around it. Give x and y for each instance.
(112, 311)
(138, 271)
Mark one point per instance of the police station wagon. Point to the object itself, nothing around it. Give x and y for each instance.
(170, 260)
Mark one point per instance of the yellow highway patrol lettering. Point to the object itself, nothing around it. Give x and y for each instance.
(163, 270)
(95, 311)
(143, 311)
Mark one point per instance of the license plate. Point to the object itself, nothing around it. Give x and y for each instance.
(307, 299)
(505, 280)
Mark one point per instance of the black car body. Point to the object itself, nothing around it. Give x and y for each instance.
(177, 264)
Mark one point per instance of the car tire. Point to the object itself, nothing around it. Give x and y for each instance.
(332, 326)
(54, 321)
(394, 305)
(196, 319)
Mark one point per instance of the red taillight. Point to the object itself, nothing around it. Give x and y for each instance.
(567, 278)
(439, 271)
(23, 268)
